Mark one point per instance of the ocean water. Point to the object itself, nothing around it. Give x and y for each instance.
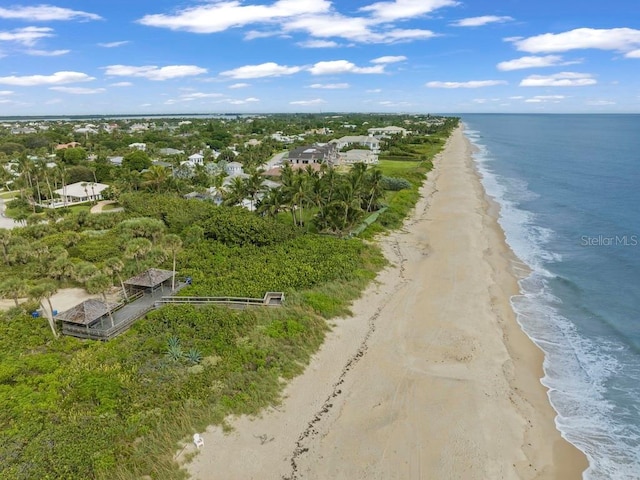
(569, 190)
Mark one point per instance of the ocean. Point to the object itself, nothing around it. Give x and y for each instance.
(569, 191)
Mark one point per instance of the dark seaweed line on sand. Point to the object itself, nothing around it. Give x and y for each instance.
(310, 431)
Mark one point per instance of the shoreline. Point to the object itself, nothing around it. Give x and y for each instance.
(432, 375)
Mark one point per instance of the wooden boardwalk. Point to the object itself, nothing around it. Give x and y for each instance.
(126, 314)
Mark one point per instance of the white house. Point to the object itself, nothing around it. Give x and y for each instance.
(387, 131)
(366, 141)
(196, 159)
(79, 192)
(139, 146)
(358, 156)
(233, 169)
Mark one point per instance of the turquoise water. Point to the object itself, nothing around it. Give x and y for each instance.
(569, 190)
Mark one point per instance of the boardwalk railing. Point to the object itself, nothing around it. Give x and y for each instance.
(97, 333)
(270, 299)
(138, 307)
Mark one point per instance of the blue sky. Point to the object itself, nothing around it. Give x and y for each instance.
(425, 56)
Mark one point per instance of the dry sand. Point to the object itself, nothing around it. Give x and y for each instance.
(431, 378)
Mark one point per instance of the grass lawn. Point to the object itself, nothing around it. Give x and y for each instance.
(110, 206)
(9, 195)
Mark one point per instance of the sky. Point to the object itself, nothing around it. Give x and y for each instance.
(272, 56)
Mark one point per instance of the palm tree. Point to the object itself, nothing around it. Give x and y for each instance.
(101, 283)
(137, 249)
(375, 188)
(115, 265)
(5, 241)
(272, 203)
(173, 244)
(14, 288)
(235, 192)
(83, 271)
(45, 290)
(253, 186)
(155, 177)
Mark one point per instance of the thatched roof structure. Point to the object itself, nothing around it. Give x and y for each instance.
(150, 278)
(86, 312)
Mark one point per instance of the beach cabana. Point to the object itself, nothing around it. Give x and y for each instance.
(90, 315)
(149, 281)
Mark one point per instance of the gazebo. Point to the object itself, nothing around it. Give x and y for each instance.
(90, 315)
(150, 281)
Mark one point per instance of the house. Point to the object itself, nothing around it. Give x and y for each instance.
(233, 169)
(358, 156)
(64, 146)
(370, 142)
(79, 192)
(196, 159)
(316, 153)
(139, 146)
(117, 161)
(388, 131)
(170, 151)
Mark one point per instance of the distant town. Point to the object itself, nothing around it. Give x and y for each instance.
(69, 161)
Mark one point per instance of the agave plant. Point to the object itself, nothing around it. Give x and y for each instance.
(194, 356)
(174, 350)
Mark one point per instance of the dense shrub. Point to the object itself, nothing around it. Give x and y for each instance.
(395, 184)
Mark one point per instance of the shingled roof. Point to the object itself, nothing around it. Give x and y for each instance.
(150, 278)
(86, 312)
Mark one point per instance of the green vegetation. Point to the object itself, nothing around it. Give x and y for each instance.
(76, 409)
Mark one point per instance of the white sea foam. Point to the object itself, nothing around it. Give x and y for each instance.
(577, 370)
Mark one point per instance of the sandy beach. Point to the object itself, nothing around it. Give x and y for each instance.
(430, 378)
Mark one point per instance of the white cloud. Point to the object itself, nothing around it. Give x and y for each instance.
(533, 62)
(58, 78)
(26, 36)
(199, 96)
(600, 103)
(469, 84)
(240, 85)
(480, 21)
(389, 59)
(399, 9)
(633, 54)
(121, 84)
(329, 86)
(516, 97)
(4, 93)
(269, 69)
(374, 90)
(318, 44)
(153, 72)
(563, 79)
(545, 98)
(389, 103)
(316, 101)
(616, 39)
(343, 66)
(316, 18)
(113, 44)
(47, 53)
(222, 15)
(243, 102)
(45, 13)
(78, 90)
